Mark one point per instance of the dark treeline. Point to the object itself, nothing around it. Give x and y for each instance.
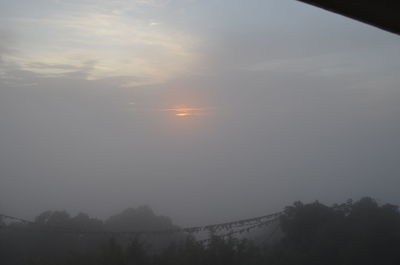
(361, 232)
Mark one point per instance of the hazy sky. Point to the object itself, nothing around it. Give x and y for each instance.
(206, 110)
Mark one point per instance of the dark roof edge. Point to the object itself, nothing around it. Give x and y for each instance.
(383, 14)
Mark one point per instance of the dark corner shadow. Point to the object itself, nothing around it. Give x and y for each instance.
(383, 14)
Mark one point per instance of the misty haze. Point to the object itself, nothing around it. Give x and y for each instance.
(196, 132)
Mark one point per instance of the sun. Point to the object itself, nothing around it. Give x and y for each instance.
(183, 114)
(184, 111)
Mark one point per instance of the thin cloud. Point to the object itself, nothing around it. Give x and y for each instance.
(121, 46)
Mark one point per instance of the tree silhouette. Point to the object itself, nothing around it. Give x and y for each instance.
(361, 232)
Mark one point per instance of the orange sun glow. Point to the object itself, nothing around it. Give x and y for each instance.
(183, 114)
(187, 112)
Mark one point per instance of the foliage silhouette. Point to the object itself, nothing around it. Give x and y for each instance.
(361, 232)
